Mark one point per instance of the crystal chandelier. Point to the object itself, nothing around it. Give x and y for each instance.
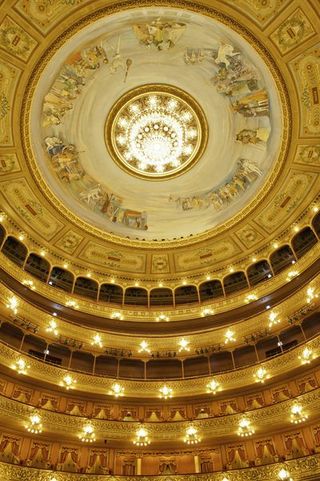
(116, 390)
(184, 345)
(155, 131)
(144, 347)
(273, 319)
(165, 392)
(229, 337)
(245, 429)
(13, 304)
(97, 340)
(191, 436)
(142, 437)
(87, 435)
(34, 425)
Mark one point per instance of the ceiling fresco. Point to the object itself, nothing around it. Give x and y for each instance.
(241, 123)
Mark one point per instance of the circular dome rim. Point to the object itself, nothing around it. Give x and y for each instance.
(156, 244)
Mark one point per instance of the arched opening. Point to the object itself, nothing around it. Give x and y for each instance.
(34, 346)
(86, 288)
(303, 241)
(106, 366)
(164, 368)
(196, 366)
(37, 266)
(136, 296)
(259, 272)
(161, 297)
(291, 337)
(186, 295)
(15, 250)
(82, 361)
(235, 282)
(316, 223)
(11, 335)
(311, 325)
(282, 258)
(2, 234)
(221, 361)
(210, 290)
(61, 278)
(111, 293)
(244, 356)
(58, 355)
(268, 347)
(131, 368)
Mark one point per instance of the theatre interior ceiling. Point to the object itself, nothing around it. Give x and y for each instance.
(159, 240)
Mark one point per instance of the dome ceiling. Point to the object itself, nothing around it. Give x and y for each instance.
(181, 166)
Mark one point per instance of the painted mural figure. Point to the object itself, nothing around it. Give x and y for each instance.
(162, 35)
(253, 136)
(253, 105)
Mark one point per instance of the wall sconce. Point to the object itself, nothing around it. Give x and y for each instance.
(20, 365)
(191, 436)
(165, 392)
(97, 341)
(184, 345)
(142, 437)
(297, 415)
(52, 327)
(13, 304)
(68, 382)
(87, 435)
(307, 356)
(116, 390)
(261, 375)
(213, 387)
(229, 337)
(245, 429)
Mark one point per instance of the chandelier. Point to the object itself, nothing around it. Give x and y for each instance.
(52, 327)
(13, 304)
(307, 356)
(34, 425)
(97, 340)
(229, 337)
(184, 345)
(142, 437)
(191, 436)
(144, 347)
(284, 475)
(155, 131)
